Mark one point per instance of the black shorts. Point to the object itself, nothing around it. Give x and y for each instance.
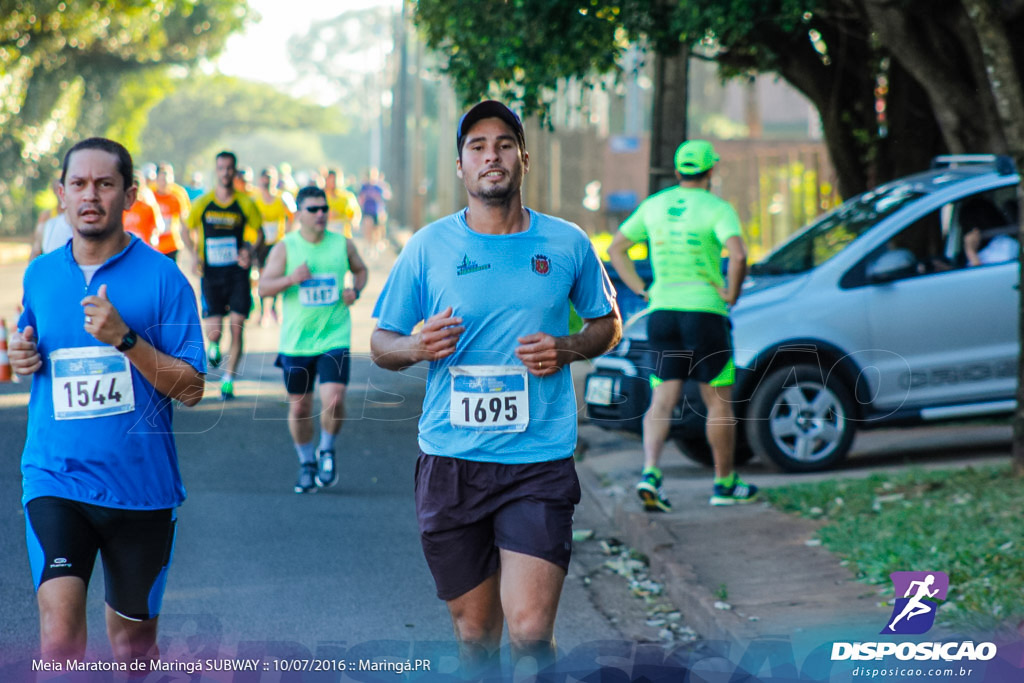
(468, 510)
(226, 290)
(301, 371)
(692, 345)
(136, 546)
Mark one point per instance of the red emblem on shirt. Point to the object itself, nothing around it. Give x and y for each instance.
(541, 264)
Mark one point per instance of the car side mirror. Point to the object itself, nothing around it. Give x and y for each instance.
(894, 264)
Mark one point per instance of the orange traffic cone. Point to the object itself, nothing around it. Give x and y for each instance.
(5, 362)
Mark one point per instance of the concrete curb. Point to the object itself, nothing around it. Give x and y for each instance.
(738, 574)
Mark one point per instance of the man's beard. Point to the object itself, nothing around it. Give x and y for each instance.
(501, 193)
(94, 231)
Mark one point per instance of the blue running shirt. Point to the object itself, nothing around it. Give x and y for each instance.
(503, 287)
(114, 459)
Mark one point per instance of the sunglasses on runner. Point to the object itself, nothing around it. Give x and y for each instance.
(316, 209)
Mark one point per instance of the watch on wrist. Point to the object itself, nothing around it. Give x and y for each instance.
(128, 341)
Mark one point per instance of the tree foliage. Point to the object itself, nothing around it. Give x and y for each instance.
(204, 109)
(63, 65)
(919, 57)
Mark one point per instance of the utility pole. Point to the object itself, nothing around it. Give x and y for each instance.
(398, 173)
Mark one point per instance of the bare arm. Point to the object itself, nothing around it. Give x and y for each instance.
(435, 340)
(360, 274)
(737, 268)
(543, 354)
(618, 253)
(273, 281)
(171, 376)
(37, 240)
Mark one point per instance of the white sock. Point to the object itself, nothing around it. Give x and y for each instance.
(307, 456)
(326, 441)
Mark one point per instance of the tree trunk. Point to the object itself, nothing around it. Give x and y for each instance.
(668, 128)
(1004, 81)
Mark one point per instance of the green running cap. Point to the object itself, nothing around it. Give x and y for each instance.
(695, 156)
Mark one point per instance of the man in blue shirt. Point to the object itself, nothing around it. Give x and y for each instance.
(110, 335)
(495, 481)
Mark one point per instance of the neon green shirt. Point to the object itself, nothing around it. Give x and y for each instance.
(686, 228)
(316, 319)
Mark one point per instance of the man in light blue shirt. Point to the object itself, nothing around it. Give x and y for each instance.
(495, 481)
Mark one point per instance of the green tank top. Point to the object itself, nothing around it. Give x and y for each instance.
(316, 319)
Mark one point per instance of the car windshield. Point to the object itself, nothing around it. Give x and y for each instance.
(835, 230)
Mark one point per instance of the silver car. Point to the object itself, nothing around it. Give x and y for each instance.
(872, 316)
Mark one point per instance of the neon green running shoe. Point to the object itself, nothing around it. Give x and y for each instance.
(227, 390)
(213, 356)
(649, 490)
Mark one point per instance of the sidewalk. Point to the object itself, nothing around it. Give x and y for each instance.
(738, 574)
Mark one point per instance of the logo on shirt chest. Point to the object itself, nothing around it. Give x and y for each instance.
(467, 266)
(541, 264)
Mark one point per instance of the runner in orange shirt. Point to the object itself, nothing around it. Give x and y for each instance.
(174, 207)
(141, 218)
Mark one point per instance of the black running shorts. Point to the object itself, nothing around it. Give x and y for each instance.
(226, 289)
(691, 345)
(468, 510)
(300, 372)
(136, 546)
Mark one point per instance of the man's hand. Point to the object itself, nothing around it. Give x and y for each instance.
(245, 257)
(102, 320)
(301, 274)
(348, 295)
(23, 353)
(439, 335)
(540, 354)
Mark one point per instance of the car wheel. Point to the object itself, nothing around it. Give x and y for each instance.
(800, 420)
(699, 451)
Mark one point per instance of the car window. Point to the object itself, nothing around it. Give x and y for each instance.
(834, 231)
(935, 242)
(992, 216)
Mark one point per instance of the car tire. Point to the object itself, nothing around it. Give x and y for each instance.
(799, 420)
(699, 451)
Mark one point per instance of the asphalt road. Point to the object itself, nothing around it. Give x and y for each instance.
(259, 570)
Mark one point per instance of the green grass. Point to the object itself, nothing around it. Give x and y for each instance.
(968, 523)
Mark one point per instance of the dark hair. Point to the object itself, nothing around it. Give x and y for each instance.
(229, 155)
(307, 192)
(124, 159)
(485, 110)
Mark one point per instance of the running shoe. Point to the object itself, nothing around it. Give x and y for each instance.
(213, 354)
(649, 490)
(305, 483)
(325, 474)
(737, 492)
(227, 390)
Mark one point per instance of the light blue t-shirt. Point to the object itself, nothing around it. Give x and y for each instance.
(503, 287)
(95, 454)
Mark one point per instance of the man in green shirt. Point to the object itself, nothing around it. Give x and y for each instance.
(687, 228)
(309, 266)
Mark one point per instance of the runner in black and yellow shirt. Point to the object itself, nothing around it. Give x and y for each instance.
(227, 225)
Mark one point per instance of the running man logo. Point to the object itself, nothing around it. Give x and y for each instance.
(914, 612)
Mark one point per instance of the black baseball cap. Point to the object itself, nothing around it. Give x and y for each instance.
(485, 110)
